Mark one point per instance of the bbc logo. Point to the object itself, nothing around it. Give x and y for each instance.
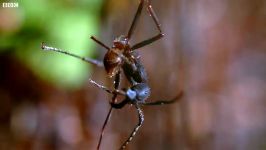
(9, 5)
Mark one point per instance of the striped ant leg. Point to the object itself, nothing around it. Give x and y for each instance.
(116, 91)
(100, 86)
(158, 25)
(141, 120)
(88, 60)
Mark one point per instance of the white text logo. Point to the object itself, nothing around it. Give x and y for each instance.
(9, 5)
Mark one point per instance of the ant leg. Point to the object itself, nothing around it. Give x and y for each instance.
(100, 86)
(99, 42)
(119, 105)
(116, 86)
(141, 120)
(88, 60)
(136, 18)
(155, 38)
(178, 97)
(154, 17)
(116, 91)
(103, 127)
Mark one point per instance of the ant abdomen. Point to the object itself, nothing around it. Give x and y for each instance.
(135, 72)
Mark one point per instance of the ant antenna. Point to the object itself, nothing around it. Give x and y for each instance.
(100, 43)
(88, 60)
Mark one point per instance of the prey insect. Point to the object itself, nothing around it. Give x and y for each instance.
(122, 56)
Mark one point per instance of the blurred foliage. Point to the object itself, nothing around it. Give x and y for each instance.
(65, 24)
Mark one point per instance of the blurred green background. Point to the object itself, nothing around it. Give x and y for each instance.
(64, 24)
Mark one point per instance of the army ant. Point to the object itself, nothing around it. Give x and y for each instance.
(122, 56)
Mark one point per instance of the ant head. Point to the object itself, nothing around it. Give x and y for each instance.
(121, 42)
(112, 62)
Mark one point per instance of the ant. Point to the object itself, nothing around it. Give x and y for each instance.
(122, 56)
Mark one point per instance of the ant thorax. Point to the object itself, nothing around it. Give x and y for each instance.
(117, 56)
